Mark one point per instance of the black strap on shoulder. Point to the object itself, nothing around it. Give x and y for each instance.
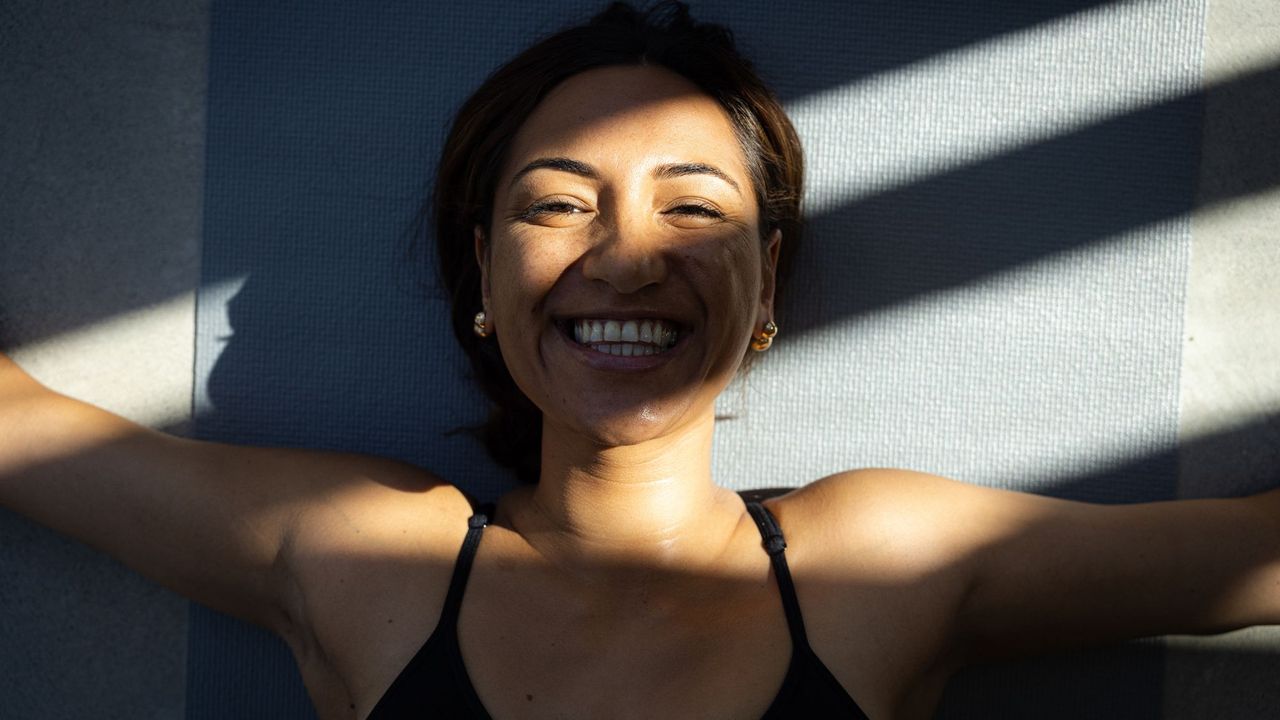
(759, 495)
(776, 546)
(462, 566)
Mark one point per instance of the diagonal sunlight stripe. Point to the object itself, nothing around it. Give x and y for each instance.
(136, 364)
(213, 334)
(981, 309)
(1230, 372)
(990, 98)
(1045, 408)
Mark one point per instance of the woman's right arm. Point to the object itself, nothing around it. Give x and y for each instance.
(214, 522)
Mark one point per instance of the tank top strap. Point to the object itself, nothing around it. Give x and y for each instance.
(775, 544)
(462, 566)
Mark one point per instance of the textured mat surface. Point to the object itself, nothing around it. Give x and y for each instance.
(101, 106)
(992, 287)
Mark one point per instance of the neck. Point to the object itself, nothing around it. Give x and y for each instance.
(652, 504)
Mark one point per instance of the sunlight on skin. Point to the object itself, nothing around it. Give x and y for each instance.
(590, 221)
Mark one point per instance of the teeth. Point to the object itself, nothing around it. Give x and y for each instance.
(625, 349)
(626, 338)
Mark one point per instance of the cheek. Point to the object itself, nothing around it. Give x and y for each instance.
(733, 269)
(737, 269)
(522, 274)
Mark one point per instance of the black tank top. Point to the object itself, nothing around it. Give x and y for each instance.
(435, 682)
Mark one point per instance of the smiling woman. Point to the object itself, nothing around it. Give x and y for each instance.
(485, 173)
(624, 230)
(614, 212)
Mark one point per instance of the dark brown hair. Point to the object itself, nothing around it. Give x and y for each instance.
(476, 147)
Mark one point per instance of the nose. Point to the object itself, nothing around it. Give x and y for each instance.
(628, 256)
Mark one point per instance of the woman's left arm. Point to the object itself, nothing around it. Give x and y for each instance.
(1041, 573)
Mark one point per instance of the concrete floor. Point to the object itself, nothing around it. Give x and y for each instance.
(1230, 422)
(101, 173)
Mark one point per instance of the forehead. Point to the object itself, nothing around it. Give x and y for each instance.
(630, 115)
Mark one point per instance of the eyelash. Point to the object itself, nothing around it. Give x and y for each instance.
(547, 206)
(699, 209)
(556, 206)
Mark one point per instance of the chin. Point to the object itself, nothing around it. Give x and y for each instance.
(622, 427)
(621, 432)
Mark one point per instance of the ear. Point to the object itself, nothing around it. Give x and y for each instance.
(769, 275)
(482, 260)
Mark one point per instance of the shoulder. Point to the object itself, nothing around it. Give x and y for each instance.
(879, 503)
(879, 568)
(365, 514)
(348, 505)
(372, 495)
(367, 563)
(899, 523)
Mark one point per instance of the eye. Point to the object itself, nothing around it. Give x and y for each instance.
(697, 209)
(699, 213)
(544, 208)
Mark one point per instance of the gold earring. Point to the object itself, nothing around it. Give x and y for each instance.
(481, 325)
(761, 342)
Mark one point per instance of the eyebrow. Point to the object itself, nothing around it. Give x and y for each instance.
(563, 164)
(662, 172)
(675, 170)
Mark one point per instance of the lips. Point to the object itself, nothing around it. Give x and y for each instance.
(627, 338)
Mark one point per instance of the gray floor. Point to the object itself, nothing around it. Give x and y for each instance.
(1230, 424)
(101, 175)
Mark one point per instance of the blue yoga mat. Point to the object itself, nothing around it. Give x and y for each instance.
(992, 287)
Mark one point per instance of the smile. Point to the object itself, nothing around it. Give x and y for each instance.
(627, 338)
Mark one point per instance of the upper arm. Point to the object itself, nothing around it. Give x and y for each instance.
(214, 522)
(1047, 573)
(987, 573)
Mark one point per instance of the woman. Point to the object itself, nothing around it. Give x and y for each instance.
(613, 211)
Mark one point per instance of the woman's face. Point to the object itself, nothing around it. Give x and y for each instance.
(624, 273)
